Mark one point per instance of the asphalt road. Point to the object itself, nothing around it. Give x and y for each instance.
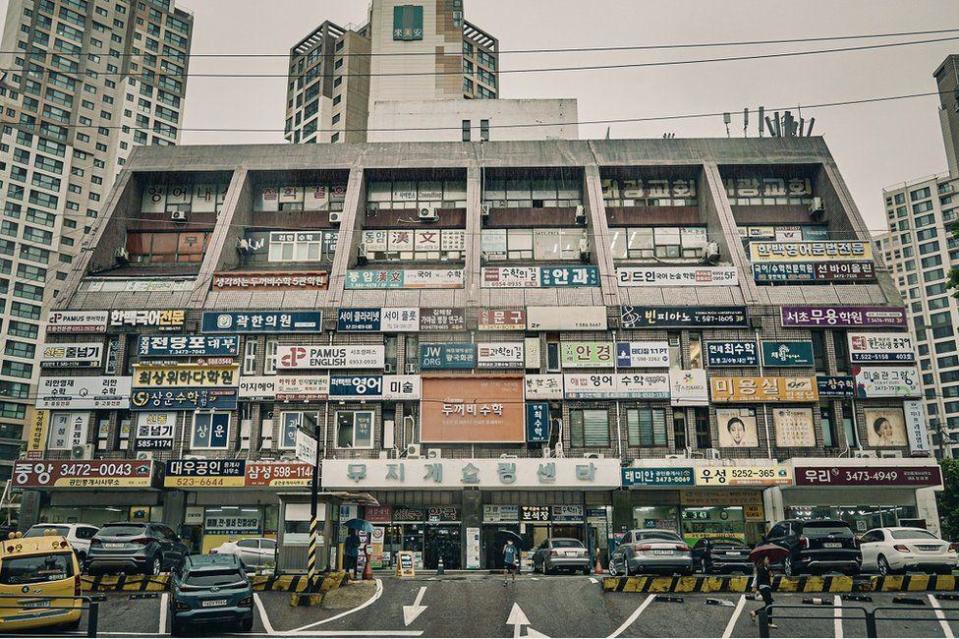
(560, 606)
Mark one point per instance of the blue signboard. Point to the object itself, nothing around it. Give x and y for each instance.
(836, 386)
(563, 276)
(356, 386)
(537, 423)
(358, 320)
(732, 353)
(188, 346)
(658, 477)
(155, 399)
(447, 356)
(783, 354)
(263, 322)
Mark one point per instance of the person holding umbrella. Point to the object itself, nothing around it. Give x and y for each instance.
(351, 548)
(762, 556)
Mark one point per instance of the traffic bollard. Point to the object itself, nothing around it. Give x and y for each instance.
(440, 568)
(93, 618)
(598, 568)
(368, 566)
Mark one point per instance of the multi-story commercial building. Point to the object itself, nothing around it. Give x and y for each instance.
(947, 82)
(84, 82)
(566, 338)
(405, 52)
(920, 250)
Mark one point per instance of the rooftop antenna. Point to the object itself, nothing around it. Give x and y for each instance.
(727, 118)
(745, 122)
(812, 121)
(607, 131)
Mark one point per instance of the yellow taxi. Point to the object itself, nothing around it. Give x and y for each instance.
(39, 583)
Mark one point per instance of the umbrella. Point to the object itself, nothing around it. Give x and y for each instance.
(775, 553)
(359, 524)
(509, 534)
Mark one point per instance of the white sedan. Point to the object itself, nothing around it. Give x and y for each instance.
(254, 553)
(889, 550)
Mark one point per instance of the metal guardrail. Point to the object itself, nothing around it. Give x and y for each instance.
(87, 603)
(871, 617)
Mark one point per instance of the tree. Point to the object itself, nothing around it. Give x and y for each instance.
(948, 499)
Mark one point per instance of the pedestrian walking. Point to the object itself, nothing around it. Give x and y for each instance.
(510, 561)
(351, 552)
(762, 582)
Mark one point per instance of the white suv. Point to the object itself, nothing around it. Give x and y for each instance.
(77, 535)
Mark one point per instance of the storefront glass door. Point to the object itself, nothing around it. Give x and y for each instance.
(442, 541)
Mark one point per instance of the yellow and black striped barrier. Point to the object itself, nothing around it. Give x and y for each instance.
(159, 583)
(805, 584)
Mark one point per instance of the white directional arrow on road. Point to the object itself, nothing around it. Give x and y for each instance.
(517, 618)
(410, 613)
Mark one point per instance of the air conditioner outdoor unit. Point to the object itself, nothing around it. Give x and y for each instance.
(584, 251)
(413, 451)
(487, 209)
(144, 455)
(123, 257)
(335, 217)
(711, 253)
(580, 215)
(816, 210)
(434, 453)
(711, 453)
(863, 454)
(428, 214)
(384, 454)
(362, 255)
(82, 451)
(178, 216)
(594, 456)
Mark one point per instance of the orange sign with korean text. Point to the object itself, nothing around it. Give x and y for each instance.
(473, 410)
(747, 390)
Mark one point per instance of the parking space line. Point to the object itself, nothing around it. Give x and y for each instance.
(164, 599)
(633, 617)
(731, 626)
(593, 580)
(946, 628)
(376, 595)
(837, 615)
(264, 619)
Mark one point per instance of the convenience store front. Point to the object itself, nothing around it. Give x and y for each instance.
(463, 510)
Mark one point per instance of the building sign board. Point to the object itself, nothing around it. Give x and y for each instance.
(404, 279)
(77, 321)
(442, 319)
(642, 354)
(500, 355)
(71, 355)
(502, 319)
(731, 476)
(96, 473)
(735, 353)
(616, 386)
(302, 388)
(188, 399)
(166, 320)
(448, 356)
(748, 390)
(472, 410)
(683, 317)
(783, 354)
(865, 348)
(147, 375)
(155, 431)
(334, 356)
(558, 318)
(260, 322)
(549, 386)
(84, 392)
(688, 387)
(188, 346)
(836, 386)
(539, 276)
(793, 272)
(271, 281)
(537, 423)
(378, 320)
(822, 251)
(587, 354)
(863, 474)
(657, 477)
(886, 381)
(666, 276)
(843, 316)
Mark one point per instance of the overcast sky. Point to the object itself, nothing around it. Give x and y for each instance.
(875, 145)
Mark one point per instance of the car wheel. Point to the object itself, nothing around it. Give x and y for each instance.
(176, 628)
(247, 625)
(788, 569)
(156, 566)
(73, 625)
(612, 568)
(883, 566)
(587, 571)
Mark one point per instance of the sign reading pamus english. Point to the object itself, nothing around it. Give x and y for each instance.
(332, 356)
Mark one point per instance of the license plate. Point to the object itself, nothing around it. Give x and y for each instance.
(928, 547)
(214, 603)
(113, 544)
(41, 603)
(832, 544)
(662, 552)
(571, 553)
(732, 553)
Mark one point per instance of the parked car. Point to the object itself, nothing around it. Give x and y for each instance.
(253, 553)
(210, 589)
(890, 550)
(721, 555)
(40, 583)
(651, 550)
(557, 554)
(818, 545)
(149, 548)
(77, 535)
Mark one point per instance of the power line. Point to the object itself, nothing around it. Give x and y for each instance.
(459, 72)
(584, 49)
(658, 118)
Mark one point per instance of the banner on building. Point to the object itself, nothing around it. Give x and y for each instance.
(84, 392)
(77, 321)
(271, 281)
(916, 428)
(865, 348)
(683, 317)
(188, 346)
(333, 356)
(259, 322)
(666, 276)
(886, 381)
(885, 427)
(71, 355)
(68, 430)
(539, 276)
(746, 390)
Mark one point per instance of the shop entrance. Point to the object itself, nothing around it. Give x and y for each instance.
(569, 531)
(442, 541)
(494, 540)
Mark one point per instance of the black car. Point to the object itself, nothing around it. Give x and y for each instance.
(129, 547)
(817, 546)
(721, 555)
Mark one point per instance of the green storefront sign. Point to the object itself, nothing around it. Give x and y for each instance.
(785, 354)
(408, 22)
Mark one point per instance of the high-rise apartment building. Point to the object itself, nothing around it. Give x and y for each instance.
(947, 81)
(85, 82)
(405, 52)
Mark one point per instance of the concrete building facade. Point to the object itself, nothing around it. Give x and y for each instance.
(567, 338)
(85, 82)
(947, 81)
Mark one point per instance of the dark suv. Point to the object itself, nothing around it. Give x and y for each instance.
(148, 548)
(819, 545)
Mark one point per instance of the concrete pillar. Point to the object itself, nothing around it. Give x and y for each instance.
(351, 226)
(773, 505)
(600, 236)
(622, 511)
(30, 508)
(927, 509)
(471, 515)
(474, 235)
(226, 233)
(716, 208)
(174, 508)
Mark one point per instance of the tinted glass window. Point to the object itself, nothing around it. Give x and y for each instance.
(122, 530)
(913, 534)
(268, 544)
(40, 531)
(86, 533)
(36, 569)
(663, 535)
(210, 578)
(246, 543)
(823, 528)
(567, 543)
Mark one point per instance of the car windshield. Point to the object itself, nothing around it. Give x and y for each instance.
(824, 528)
(654, 535)
(36, 569)
(567, 543)
(122, 530)
(913, 534)
(41, 530)
(210, 578)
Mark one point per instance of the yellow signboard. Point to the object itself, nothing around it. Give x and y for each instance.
(733, 476)
(185, 376)
(850, 251)
(37, 421)
(221, 481)
(749, 390)
(720, 497)
(754, 512)
(405, 564)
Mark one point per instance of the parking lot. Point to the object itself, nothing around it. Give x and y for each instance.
(561, 606)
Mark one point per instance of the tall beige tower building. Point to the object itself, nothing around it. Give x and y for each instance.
(84, 83)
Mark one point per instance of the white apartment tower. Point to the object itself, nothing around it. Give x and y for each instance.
(84, 81)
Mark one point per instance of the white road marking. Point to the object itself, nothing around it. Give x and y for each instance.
(358, 633)
(946, 628)
(410, 613)
(837, 615)
(517, 618)
(263, 618)
(633, 617)
(164, 599)
(376, 595)
(593, 580)
(728, 632)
